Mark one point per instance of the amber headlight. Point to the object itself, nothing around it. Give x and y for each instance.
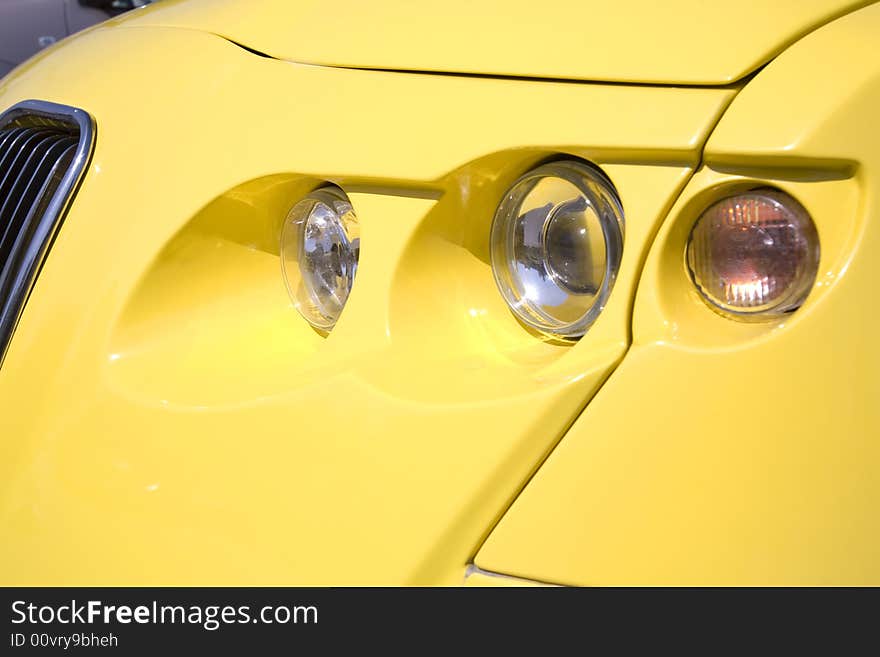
(754, 255)
(319, 255)
(556, 244)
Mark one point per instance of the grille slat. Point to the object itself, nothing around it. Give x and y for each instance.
(39, 173)
(43, 151)
(21, 171)
(8, 136)
(24, 191)
(19, 150)
(33, 236)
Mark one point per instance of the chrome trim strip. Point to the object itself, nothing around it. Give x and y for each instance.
(474, 569)
(17, 282)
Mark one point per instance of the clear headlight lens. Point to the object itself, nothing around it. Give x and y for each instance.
(556, 244)
(320, 245)
(754, 255)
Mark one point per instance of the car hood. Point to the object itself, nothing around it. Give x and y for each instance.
(633, 41)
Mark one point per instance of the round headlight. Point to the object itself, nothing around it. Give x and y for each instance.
(319, 255)
(556, 244)
(754, 255)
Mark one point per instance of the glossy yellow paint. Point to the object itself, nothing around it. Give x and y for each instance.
(671, 42)
(729, 453)
(165, 414)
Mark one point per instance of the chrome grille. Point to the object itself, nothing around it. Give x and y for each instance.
(44, 149)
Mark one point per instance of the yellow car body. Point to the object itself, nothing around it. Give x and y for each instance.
(166, 417)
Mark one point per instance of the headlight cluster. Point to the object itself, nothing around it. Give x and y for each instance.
(556, 244)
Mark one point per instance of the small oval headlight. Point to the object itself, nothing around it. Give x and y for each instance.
(754, 255)
(320, 246)
(556, 244)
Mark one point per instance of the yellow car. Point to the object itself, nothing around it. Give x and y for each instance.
(493, 292)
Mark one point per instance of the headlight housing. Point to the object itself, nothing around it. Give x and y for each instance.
(556, 245)
(320, 246)
(755, 255)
